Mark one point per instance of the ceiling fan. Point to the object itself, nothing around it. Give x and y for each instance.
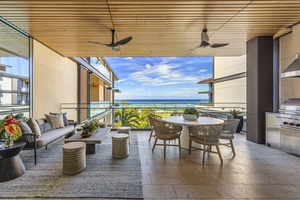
(113, 45)
(205, 42)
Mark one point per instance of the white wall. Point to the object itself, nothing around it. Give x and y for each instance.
(54, 81)
(232, 90)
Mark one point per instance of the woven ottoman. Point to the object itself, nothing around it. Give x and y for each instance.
(126, 130)
(120, 147)
(74, 160)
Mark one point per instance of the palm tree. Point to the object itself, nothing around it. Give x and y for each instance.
(128, 117)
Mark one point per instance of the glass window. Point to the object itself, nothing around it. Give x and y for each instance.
(14, 71)
(97, 64)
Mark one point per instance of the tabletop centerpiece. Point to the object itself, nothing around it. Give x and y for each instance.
(191, 114)
(10, 131)
(89, 128)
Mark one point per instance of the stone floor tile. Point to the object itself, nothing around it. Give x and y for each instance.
(169, 179)
(196, 191)
(240, 191)
(279, 191)
(159, 191)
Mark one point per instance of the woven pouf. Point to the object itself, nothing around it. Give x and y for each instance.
(74, 161)
(120, 147)
(126, 130)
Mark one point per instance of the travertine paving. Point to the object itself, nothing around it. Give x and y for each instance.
(256, 172)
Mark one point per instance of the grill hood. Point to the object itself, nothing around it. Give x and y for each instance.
(293, 70)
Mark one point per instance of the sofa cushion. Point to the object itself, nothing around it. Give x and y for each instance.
(46, 127)
(52, 135)
(34, 127)
(65, 118)
(56, 121)
(40, 121)
(25, 128)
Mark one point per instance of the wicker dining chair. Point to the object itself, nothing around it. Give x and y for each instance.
(150, 117)
(206, 135)
(228, 131)
(166, 131)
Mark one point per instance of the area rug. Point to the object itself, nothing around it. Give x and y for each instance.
(104, 176)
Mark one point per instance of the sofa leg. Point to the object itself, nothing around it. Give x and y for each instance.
(46, 147)
(34, 156)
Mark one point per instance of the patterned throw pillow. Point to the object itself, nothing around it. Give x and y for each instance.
(56, 121)
(34, 127)
(45, 127)
(65, 119)
(25, 128)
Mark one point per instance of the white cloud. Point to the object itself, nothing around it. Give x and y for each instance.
(128, 58)
(202, 70)
(163, 74)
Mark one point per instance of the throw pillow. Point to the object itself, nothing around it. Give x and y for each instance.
(40, 121)
(45, 127)
(66, 122)
(34, 127)
(25, 128)
(56, 121)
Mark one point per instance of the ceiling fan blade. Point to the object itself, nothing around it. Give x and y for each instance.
(124, 41)
(216, 45)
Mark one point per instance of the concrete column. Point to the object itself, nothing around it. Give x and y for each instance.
(259, 86)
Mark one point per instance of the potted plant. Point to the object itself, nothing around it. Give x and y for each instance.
(236, 115)
(191, 114)
(89, 128)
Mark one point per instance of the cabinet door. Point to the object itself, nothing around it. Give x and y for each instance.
(272, 131)
(290, 141)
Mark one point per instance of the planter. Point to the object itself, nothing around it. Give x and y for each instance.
(89, 133)
(190, 117)
(241, 124)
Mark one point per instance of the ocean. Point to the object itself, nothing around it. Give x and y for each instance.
(161, 103)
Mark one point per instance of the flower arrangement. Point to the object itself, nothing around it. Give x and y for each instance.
(191, 111)
(191, 114)
(89, 127)
(10, 131)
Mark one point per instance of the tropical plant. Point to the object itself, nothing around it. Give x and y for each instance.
(11, 127)
(90, 127)
(234, 112)
(128, 117)
(192, 111)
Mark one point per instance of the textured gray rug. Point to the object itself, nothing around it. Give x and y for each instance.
(104, 177)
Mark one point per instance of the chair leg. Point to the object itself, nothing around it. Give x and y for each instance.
(219, 153)
(190, 146)
(154, 144)
(232, 147)
(150, 135)
(165, 145)
(204, 151)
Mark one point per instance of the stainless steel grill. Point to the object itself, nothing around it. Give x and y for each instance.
(289, 114)
(283, 128)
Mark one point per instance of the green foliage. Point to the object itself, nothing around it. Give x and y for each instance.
(127, 117)
(234, 112)
(192, 111)
(90, 126)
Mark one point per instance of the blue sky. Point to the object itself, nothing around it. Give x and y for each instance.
(161, 77)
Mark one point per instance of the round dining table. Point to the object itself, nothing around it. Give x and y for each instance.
(186, 123)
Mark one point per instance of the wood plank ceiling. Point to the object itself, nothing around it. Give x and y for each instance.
(158, 27)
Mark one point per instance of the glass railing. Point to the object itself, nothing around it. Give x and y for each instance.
(136, 115)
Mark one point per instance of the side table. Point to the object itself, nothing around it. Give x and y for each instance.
(11, 165)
